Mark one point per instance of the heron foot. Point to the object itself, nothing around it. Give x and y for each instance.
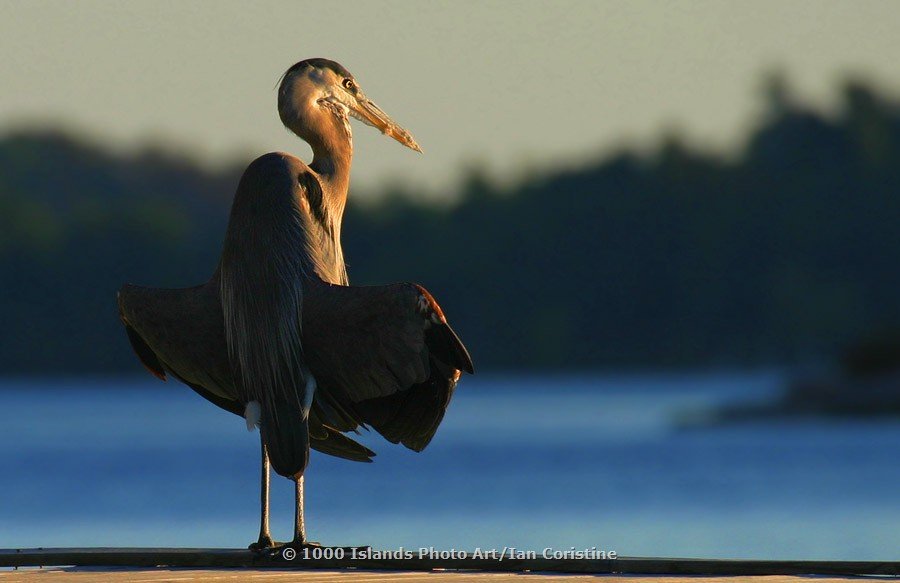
(264, 543)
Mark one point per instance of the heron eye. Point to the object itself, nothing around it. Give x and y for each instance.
(349, 84)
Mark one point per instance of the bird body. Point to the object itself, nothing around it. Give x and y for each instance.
(364, 343)
(277, 335)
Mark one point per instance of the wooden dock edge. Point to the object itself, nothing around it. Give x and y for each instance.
(235, 558)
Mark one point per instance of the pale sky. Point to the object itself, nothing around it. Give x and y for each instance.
(517, 84)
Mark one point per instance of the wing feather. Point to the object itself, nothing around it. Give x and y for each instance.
(385, 355)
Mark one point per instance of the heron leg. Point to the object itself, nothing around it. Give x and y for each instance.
(265, 537)
(299, 521)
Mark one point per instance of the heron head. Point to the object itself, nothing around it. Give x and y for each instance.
(317, 96)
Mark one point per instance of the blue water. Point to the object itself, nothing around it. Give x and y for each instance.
(528, 462)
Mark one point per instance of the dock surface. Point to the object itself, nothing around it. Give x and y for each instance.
(159, 575)
(184, 564)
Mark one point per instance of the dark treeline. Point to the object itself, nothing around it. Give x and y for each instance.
(785, 254)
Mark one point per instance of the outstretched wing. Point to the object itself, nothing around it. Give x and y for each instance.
(383, 356)
(265, 260)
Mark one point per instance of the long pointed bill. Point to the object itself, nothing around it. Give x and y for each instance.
(370, 114)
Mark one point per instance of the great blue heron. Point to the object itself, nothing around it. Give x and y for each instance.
(277, 335)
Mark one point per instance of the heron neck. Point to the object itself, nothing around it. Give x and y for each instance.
(331, 161)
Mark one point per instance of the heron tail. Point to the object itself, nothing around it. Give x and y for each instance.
(285, 430)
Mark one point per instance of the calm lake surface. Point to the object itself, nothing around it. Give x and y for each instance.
(529, 462)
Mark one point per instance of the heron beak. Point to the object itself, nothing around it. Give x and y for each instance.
(367, 112)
